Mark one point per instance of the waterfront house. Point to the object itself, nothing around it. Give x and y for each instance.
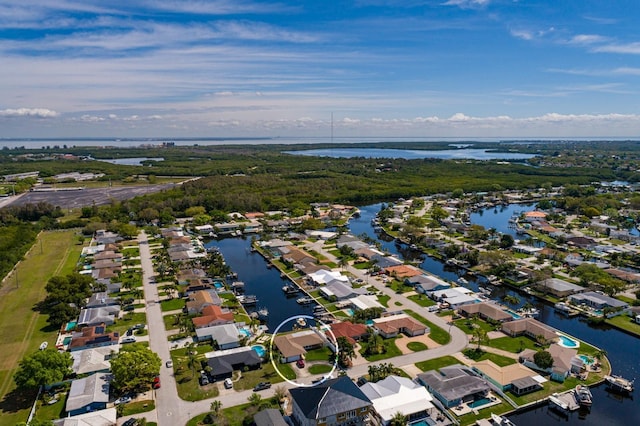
(515, 377)
(225, 336)
(454, 385)
(324, 277)
(486, 311)
(213, 315)
(90, 393)
(340, 291)
(402, 271)
(531, 328)
(393, 325)
(597, 300)
(396, 394)
(565, 361)
(426, 283)
(294, 346)
(365, 301)
(455, 296)
(200, 299)
(335, 402)
(558, 287)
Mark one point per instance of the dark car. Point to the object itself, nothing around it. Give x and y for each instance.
(300, 363)
(262, 386)
(156, 382)
(130, 422)
(128, 308)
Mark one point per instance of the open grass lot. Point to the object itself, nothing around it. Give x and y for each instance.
(391, 350)
(235, 416)
(421, 300)
(511, 344)
(437, 363)
(129, 319)
(138, 407)
(172, 304)
(265, 374)
(21, 328)
(417, 346)
(437, 334)
(481, 355)
(468, 324)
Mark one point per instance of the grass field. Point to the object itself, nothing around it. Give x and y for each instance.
(23, 329)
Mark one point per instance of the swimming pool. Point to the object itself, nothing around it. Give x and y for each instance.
(218, 284)
(245, 332)
(70, 325)
(479, 403)
(513, 314)
(586, 359)
(349, 311)
(260, 350)
(567, 342)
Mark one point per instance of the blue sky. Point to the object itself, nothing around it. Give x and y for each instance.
(191, 68)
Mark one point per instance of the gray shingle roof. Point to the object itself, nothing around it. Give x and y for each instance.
(332, 397)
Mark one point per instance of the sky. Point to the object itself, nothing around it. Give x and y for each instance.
(245, 68)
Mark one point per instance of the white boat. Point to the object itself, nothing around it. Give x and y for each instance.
(501, 420)
(44, 345)
(553, 399)
(301, 322)
(562, 307)
(462, 280)
(619, 383)
(583, 396)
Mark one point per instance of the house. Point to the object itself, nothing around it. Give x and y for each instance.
(393, 325)
(336, 402)
(106, 417)
(92, 360)
(486, 311)
(402, 271)
(213, 315)
(88, 394)
(426, 283)
(531, 328)
(364, 301)
(565, 361)
(558, 287)
(597, 301)
(269, 417)
(352, 332)
(454, 385)
(100, 299)
(199, 284)
(383, 262)
(396, 394)
(95, 316)
(224, 362)
(108, 255)
(294, 256)
(324, 277)
(293, 346)
(505, 377)
(340, 291)
(226, 336)
(455, 297)
(200, 299)
(93, 337)
(581, 242)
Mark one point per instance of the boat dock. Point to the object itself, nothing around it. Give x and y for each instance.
(566, 399)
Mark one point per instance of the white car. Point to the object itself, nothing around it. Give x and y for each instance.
(122, 400)
(128, 339)
(228, 384)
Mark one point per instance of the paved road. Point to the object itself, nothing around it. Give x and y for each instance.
(167, 401)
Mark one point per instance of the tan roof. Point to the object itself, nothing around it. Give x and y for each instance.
(531, 326)
(394, 323)
(535, 214)
(293, 344)
(403, 271)
(489, 310)
(503, 375)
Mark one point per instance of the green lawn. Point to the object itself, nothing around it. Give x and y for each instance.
(499, 360)
(128, 320)
(384, 300)
(512, 344)
(421, 300)
(320, 368)
(22, 328)
(139, 407)
(437, 363)
(321, 354)
(626, 323)
(172, 304)
(265, 374)
(437, 334)
(468, 324)
(391, 351)
(417, 346)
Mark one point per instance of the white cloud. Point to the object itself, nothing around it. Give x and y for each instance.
(467, 4)
(625, 48)
(522, 34)
(586, 39)
(29, 112)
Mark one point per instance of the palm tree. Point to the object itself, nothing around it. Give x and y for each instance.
(480, 336)
(215, 407)
(280, 393)
(399, 419)
(255, 399)
(192, 359)
(345, 352)
(601, 354)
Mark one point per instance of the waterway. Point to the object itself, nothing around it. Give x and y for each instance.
(266, 283)
(413, 154)
(623, 350)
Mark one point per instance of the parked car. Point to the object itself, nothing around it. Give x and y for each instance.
(122, 400)
(128, 339)
(129, 308)
(228, 384)
(300, 363)
(169, 364)
(204, 380)
(262, 386)
(130, 422)
(138, 327)
(156, 382)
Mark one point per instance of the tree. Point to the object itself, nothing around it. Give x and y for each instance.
(255, 399)
(280, 393)
(480, 336)
(543, 359)
(43, 368)
(346, 352)
(399, 419)
(215, 407)
(134, 368)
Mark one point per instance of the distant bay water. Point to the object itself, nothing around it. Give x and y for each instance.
(414, 154)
